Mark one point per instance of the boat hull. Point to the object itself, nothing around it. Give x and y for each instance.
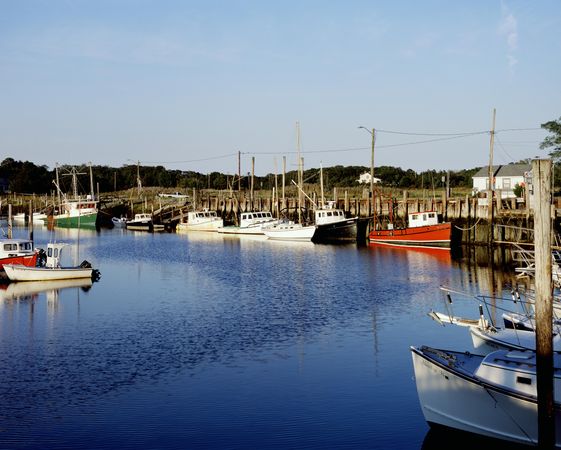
(23, 273)
(27, 260)
(453, 399)
(424, 236)
(207, 226)
(290, 232)
(67, 221)
(241, 230)
(342, 231)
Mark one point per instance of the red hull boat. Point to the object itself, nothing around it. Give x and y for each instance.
(423, 231)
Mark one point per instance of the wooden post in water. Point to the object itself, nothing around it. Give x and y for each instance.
(10, 221)
(30, 221)
(541, 180)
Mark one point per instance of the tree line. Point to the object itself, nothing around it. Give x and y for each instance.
(27, 178)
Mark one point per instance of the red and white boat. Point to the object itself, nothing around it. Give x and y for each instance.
(423, 230)
(17, 251)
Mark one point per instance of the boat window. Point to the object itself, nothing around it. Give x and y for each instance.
(25, 245)
(424, 217)
(49, 252)
(431, 215)
(10, 247)
(329, 214)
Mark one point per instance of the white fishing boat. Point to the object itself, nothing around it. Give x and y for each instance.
(290, 231)
(52, 269)
(119, 222)
(38, 217)
(492, 395)
(250, 223)
(143, 222)
(204, 220)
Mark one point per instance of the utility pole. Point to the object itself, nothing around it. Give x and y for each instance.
(541, 180)
(372, 172)
(239, 171)
(490, 212)
(252, 175)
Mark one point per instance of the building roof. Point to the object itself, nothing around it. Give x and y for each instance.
(509, 170)
(484, 172)
(513, 170)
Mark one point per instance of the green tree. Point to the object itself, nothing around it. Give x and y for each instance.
(554, 140)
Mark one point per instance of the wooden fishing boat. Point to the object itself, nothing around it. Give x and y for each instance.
(250, 223)
(52, 269)
(333, 226)
(423, 230)
(17, 251)
(204, 220)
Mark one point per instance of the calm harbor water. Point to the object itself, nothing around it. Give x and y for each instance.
(213, 341)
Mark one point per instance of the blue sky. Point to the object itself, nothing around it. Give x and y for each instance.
(188, 84)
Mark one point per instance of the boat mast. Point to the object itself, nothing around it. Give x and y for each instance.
(91, 182)
(300, 176)
(57, 187)
(321, 185)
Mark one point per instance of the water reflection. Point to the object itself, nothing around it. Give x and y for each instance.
(438, 438)
(30, 289)
(200, 332)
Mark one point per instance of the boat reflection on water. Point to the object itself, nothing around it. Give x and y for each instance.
(439, 437)
(443, 255)
(28, 290)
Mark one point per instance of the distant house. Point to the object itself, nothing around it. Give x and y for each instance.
(365, 179)
(504, 178)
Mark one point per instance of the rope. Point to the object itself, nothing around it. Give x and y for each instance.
(509, 415)
(470, 228)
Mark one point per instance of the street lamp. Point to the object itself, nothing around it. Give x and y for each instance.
(373, 134)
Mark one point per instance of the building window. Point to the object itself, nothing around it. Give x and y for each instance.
(506, 183)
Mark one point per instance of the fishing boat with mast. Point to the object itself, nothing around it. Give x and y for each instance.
(75, 211)
(332, 225)
(289, 230)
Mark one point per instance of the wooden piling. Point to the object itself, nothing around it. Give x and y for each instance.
(541, 174)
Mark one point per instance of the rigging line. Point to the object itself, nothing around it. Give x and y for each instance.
(432, 134)
(191, 160)
(503, 148)
(471, 133)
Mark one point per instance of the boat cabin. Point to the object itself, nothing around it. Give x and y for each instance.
(15, 247)
(249, 219)
(54, 254)
(201, 216)
(422, 219)
(142, 217)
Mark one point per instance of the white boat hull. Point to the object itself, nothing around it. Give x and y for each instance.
(290, 232)
(466, 403)
(207, 226)
(23, 273)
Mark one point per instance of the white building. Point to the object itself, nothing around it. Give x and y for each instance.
(365, 179)
(505, 178)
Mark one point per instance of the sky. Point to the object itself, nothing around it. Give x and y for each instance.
(189, 84)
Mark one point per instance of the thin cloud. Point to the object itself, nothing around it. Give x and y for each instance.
(508, 28)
